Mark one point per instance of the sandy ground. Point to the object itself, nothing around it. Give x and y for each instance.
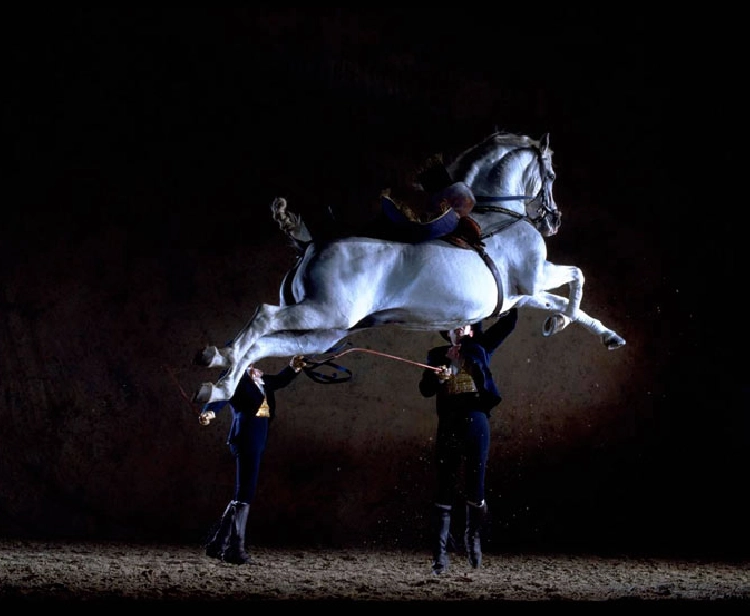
(93, 573)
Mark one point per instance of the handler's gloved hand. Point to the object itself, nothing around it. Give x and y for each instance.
(298, 362)
(444, 374)
(205, 417)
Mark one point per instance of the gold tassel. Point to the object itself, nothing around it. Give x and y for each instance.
(264, 410)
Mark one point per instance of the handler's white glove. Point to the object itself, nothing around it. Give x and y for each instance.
(298, 362)
(205, 417)
(444, 374)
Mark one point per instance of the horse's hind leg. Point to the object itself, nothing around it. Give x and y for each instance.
(280, 344)
(211, 357)
(238, 355)
(267, 320)
(231, 356)
(287, 344)
(215, 357)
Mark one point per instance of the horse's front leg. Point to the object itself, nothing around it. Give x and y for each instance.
(555, 303)
(555, 276)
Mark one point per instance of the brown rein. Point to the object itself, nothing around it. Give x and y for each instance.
(396, 357)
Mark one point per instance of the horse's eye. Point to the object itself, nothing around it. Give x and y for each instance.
(551, 176)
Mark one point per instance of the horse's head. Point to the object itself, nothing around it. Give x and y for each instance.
(542, 210)
(513, 170)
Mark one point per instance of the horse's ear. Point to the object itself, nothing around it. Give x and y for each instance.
(544, 142)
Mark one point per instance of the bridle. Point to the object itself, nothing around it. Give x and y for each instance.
(543, 196)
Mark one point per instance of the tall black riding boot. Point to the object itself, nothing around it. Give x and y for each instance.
(475, 516)
(219, 543)
(441, 528)
(235, 552)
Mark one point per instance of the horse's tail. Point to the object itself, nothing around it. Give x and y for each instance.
(291, 224)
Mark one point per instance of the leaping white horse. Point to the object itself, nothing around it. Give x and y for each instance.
(345, 285)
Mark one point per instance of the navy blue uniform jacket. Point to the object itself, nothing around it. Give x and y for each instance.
(478, 349)
(247, 399)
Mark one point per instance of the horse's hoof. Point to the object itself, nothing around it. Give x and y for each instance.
(203, 395)
(612, 341)
(554, 324)
(210, 358)
(200, 358)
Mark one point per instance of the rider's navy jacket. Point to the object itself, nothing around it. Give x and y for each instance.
(478, 349)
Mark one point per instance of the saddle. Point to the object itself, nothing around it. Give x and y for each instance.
(467, 234)
(420, 216)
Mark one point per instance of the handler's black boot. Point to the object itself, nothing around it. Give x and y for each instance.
(219, 543)
(235, 552)
(441, 528)
(475, 516)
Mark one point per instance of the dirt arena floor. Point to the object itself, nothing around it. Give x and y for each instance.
(34, 572)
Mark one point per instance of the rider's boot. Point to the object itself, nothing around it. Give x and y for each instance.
(441, 526)
(475, 516)
(219, 543)
(235, 552)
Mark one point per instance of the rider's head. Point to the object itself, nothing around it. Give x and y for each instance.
(253, 372)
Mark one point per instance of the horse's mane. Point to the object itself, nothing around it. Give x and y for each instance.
(490, 150)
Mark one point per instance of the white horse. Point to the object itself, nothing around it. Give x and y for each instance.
(345, 285)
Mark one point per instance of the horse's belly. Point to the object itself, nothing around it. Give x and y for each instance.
(421, 286)
(442, 284)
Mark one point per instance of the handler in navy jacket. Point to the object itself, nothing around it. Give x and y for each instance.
(253, 406)
(465, 394)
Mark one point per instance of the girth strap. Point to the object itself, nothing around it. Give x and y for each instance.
(478, 246)
(491, 264)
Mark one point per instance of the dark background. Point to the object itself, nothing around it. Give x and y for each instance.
(146, 146)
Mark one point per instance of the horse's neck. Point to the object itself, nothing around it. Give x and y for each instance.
(472, 170)
(500, 171)
(486, 153)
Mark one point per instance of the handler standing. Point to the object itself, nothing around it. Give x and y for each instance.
(465, 395)
(253, 407)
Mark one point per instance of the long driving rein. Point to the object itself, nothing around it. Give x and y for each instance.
(341, 374)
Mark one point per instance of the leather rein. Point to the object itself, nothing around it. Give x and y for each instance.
(340, 373)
